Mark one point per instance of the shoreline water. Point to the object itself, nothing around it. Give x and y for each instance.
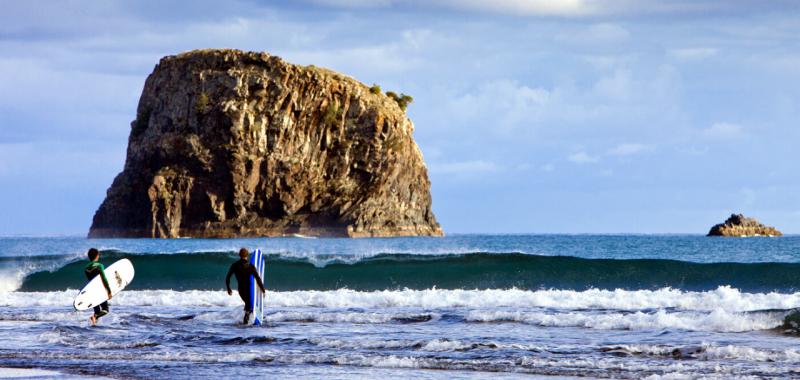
(435, 332)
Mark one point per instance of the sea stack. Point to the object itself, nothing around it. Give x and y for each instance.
(229, 143)
(740, 226)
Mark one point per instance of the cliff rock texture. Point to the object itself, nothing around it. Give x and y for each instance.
(740, 226)
(241, 144)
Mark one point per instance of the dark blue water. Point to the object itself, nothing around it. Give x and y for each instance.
(621, 306)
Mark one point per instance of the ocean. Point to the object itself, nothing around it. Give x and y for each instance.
(463, 306)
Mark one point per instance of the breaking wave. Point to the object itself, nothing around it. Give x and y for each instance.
(479, 270)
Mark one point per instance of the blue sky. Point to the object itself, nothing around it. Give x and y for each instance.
(543, 116)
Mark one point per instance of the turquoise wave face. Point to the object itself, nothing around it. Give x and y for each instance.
(207, 270)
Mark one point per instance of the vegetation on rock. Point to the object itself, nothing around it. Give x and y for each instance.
(402, 100)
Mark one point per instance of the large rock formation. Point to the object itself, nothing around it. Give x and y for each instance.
(740, 226)
(232, 144)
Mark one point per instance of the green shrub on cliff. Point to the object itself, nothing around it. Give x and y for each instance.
(375, 89)
(402, 100)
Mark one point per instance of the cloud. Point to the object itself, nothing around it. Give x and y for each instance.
(692, 54)
(465, 167)
(570, 8)
(601, 33)
(583, 158)
(608, 61)
(548, 168)
(504, 106)
(628, 149)
(619, 86)
(552, 8)
(354, 3)
(724, 131)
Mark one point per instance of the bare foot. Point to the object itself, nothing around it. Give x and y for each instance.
(93, 320)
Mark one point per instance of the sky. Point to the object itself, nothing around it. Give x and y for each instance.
(533, 116)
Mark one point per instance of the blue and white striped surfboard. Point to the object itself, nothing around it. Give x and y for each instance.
(256, 295)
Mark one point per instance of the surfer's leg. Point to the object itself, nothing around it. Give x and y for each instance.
(245, 295)
(248, 307)
(97, 313)
(101, 310)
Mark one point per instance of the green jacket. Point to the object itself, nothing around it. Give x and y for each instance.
(93, 269)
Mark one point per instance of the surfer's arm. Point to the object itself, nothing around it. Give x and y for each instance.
(105, 279)
(228, 280)
(258, 280)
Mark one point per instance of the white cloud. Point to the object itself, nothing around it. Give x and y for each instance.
(464, 167)
(724, 131)
(504, 105)
(618, 86)
(355, 3)
(692, 54)
(526, 7)
(583, 158)
(548, 168)
(602, 33)
(608, 62)
(628, 149)
(551, 8)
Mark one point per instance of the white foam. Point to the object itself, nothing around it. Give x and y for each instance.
(707, 351)
(583, 367)
(718, 320)
(343, 317)
(435, 345)
(12, 274)
(35, 373)
(722, 298)
(11, 279)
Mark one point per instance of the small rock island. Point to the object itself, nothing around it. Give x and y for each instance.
(740, 226)
(228, 143)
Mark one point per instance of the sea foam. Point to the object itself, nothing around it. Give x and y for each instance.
(724, 298)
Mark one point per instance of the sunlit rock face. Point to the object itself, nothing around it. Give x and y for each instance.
(241, 144)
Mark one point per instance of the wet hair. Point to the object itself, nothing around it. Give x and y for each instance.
(243, 253)
(93, 253)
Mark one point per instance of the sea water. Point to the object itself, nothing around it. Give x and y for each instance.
(463, 306)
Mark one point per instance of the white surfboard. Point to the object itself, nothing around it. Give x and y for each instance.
(119, 275)
(256, 295)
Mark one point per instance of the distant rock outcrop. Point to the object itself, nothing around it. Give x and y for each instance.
(229, 143)
(740, 226)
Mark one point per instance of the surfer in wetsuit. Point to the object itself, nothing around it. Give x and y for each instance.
(243, 270)
(91, 271)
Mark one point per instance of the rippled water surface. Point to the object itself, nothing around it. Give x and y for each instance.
(467, 306)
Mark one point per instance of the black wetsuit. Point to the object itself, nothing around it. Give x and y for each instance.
(243, 270)
(91, 271)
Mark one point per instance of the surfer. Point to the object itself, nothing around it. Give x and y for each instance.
(91, 271)
(243, 270)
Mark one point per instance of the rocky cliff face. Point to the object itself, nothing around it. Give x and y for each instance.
(740, 226)
(231, 144)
